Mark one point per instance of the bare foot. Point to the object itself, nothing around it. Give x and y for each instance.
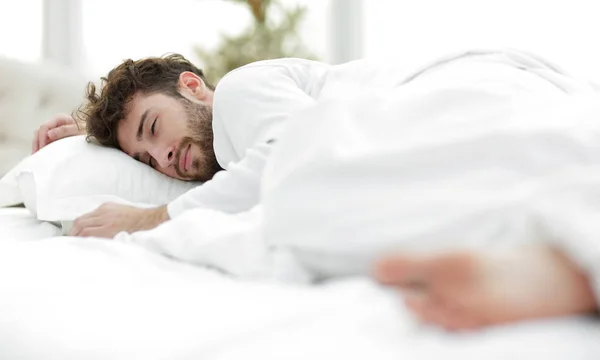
(468, 290)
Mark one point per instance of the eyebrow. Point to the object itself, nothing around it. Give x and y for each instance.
(141, 126)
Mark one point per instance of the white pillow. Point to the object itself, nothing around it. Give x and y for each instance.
(71, 177)
(9, 195)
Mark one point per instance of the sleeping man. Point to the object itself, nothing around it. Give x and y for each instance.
(163, 112)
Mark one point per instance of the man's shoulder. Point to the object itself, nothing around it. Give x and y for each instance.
(281, 62)
(246, 83)
(261, 66)
(249, 76)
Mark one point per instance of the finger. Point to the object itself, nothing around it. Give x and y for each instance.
(97, 231)
(400, 270)
(417, 301)
(458, 320)
(84, 222)
(74, 231)
(94, 231)
(429, 309)
(80, 230)
(35, 143)
(421, 307)
(59, 120)
(437, 315)
(42, 136)
(63, 119)
(63, 132)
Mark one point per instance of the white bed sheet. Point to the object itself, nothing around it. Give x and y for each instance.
(97, 299)
(19, 224)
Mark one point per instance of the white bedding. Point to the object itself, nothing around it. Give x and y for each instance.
(72, 298)
(94, 299)
(17, 223)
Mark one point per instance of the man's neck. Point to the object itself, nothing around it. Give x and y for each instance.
(210, 94)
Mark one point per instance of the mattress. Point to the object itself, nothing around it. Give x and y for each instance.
(96, 299)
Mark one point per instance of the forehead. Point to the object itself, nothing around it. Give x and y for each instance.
(128, 126)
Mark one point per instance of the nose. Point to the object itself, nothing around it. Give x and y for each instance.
(163, 156)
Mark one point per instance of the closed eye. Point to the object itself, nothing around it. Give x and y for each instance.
(153, 126)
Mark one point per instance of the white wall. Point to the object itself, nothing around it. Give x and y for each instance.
(412, 31)
(407, 31)
(117, 29)
(114, 30)
(21, 29)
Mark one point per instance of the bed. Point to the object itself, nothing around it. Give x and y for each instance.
(70, 298)
(92, 299)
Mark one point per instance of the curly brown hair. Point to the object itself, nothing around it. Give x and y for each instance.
(103, 110)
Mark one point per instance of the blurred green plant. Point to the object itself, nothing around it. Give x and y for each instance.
(274, 33)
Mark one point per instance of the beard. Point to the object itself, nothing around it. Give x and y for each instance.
(199, 128)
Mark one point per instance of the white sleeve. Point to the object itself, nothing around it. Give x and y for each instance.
(252, 103)
(231, 191)
(232, 243)
(229, 242)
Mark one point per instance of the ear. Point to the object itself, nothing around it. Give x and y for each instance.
(192, 84)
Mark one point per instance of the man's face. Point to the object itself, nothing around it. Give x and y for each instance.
(173, 135)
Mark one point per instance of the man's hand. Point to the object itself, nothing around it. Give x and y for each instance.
(60, 126)
(110, 219)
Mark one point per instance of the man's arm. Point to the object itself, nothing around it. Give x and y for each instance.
(110, 219)
(232, 243)
(231, 191)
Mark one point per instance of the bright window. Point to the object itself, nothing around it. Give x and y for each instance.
(114, 30)
(21, 29)
(564, 31)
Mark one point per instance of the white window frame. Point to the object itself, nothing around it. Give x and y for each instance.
(346, 30)
(62, 39)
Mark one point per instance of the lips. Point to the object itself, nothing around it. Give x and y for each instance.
(185, 160)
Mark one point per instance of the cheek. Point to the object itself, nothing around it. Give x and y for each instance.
(174, 130)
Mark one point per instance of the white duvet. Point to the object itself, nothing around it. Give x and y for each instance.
(17, 223)
(69, 298)
(483, 150)
(430, 165)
